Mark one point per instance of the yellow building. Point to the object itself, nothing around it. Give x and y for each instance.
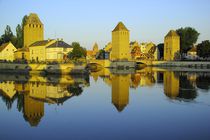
(33, 30)
(7, 51)
(192, 53)
(120, 91)
(49, 50)
(171, 84)
(149, 51)
(91, 54)
(171, 46)
(22, 54)
(38, 50)
(58, 51)
(120, 43)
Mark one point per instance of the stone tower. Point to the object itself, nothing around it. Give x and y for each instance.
(171, 46)
(120, 43)
(33, 30)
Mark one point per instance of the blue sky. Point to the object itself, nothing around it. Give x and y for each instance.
(90, 21)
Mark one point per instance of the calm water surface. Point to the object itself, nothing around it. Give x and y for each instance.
(146, 104)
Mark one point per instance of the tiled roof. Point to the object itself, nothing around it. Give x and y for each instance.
(3, 46)
(193, 49)
(33, 19)
(120, 27)
(40, 43)
(172, 33)
(61, 44)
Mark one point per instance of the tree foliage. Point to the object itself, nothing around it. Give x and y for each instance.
(77, 52)
(188, 37)
(203, 49)
(8, 35)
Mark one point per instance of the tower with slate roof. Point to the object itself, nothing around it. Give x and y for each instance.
(171, 46)
(33, 30)
(120, 43)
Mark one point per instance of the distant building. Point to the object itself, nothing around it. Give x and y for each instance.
(33, 30)
(120, 43)
(135, 50)
(7, 51)
(49, 50)
(192, 53)
(22, 54)
(149, 51)
(91, 54)
(171, 46)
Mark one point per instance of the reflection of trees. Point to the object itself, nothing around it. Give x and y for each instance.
(20, 102)
(8, 101)
(203, 82)
(75, 89)
(187, 90)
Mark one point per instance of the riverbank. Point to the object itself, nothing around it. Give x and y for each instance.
(67, 68)
(182, 64)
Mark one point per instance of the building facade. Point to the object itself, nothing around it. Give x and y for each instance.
(91, 54)
(120, 43)
(49, 50)
(7, 51)
(171, 46)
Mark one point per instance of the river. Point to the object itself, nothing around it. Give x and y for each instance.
(144, 104)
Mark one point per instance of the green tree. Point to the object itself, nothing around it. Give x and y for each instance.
(20, 33)
(188, 37)
(8, 36)
(77, 52)
(203, 49)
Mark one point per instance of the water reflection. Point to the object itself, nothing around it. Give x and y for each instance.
(33, 93)
(30, 93)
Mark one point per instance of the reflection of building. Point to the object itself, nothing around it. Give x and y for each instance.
(33, 30)
(120, 43)
(8, 89)
(171, 84)
(91, 54)
(171, 46)
(33, 110)
(120, 91)
(7, 51)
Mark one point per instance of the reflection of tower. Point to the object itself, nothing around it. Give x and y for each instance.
(33, 110)
(171, 84)
(120, 91)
